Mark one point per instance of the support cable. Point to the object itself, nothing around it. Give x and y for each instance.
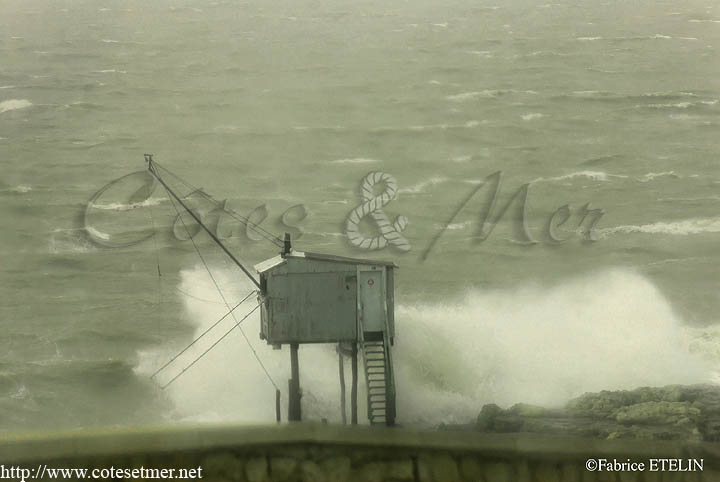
(265, 234)
(217, 286)
(201, 335)
(211, 347)
(172, 195)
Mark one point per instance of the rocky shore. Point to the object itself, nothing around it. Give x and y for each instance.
(673, 412)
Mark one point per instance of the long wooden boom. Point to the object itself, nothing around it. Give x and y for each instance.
(152, 171)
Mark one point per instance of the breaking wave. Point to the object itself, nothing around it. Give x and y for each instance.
(592, 175)
(467, 96)
(20, 189)
(611, 329)
(355, 160)
(532, 116)
(651, 176)
(115, 206)
(69, 242)
(422, 186)
(602, 176)
(110, 71)
(657, 36)
(677, 105)
(683, 227)
(14, 104)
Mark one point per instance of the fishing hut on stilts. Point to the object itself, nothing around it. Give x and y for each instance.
(320, 298)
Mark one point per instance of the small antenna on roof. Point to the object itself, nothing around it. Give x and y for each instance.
(287, 245)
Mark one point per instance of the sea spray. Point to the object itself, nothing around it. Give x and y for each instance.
(610, 329)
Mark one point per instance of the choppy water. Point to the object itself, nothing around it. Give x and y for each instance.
(613, 104)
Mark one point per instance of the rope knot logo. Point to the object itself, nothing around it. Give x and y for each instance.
(373, 204)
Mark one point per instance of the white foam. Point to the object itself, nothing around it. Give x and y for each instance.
(429, 127)
(109, 41)
(651, 176)
(593, 175)
(301, 128)
(686, 117)
(97, 234)
(66, 242)
(110, 71)
(22, 188)
(657, 36)
(678, 105)
(14, 104)
(127, 207)
(423, 185)
(465, 96)
(226, 384)
(532, 116)
(461, 158)
(454, 226)
(481, 53)
(468, 125)
(669, 94)
(682, 227)
(6, 87)
(591, 93)
(544, 52)
(612, 329)
(488, 93)
(355, 160)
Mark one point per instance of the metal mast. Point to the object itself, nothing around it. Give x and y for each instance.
(153, 171)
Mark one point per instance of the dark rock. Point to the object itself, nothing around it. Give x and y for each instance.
(674, 412)
(486, 419)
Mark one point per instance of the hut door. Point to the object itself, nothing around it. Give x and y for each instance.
(371, 300)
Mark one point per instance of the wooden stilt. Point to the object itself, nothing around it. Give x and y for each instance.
(353, 390)
(277, 406)
(294, 410)
(341, 369)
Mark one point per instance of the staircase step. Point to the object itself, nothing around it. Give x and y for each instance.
(376, 379)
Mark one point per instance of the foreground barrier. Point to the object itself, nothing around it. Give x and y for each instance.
(319, 452)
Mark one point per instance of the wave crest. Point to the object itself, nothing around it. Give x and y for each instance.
(611, 329)
(14, 104)
(683, 227)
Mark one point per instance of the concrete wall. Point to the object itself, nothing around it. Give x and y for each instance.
(317, 453)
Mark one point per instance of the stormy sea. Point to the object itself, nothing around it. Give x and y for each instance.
(557, 166)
